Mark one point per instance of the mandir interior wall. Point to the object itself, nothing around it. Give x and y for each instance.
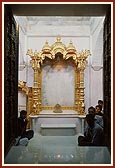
(84, 36)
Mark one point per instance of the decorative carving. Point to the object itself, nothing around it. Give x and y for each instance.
(22, 85)
(50, 52)
(57, 108)
(58, 47)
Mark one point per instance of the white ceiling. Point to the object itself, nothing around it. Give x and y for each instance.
(58, 20)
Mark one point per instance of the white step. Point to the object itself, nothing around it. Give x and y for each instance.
(58, 126)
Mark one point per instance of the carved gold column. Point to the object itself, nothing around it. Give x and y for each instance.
(77, 93)
(81, 92)
(81, 67)
(39, 91)
(36, 90)
(29, 106)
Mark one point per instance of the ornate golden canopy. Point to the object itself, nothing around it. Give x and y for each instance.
(50, 52)
(37, 58)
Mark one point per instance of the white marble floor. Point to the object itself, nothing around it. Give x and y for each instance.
(56, 150)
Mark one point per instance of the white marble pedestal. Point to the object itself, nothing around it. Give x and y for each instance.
(49, 118)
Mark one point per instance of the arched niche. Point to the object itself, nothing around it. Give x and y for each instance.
(58, 55)
(58, 83)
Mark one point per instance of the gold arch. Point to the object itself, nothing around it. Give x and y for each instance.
(70, 52)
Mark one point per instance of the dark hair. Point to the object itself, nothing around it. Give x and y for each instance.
(91, 107)
(100, 101)
(23, 112)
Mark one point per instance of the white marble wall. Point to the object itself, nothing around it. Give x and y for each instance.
(58, 86)
(96, 62)
(21, 101)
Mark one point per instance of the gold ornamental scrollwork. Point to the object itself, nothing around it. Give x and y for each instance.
(22, 85)
(69, 52)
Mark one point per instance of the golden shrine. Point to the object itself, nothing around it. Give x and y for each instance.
(79, 60)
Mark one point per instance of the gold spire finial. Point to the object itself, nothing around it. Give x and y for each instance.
(58, 38)
(46, 46)
(71, 47)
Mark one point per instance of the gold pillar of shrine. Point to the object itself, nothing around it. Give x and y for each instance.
(82, 62)
(70, 52)
(36, 90)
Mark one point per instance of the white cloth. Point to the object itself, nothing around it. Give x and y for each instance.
(23, 141)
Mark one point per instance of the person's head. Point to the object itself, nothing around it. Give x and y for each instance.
(98, 108)
(23, 114)
(100, 102)
(90, 118)
(91, 110)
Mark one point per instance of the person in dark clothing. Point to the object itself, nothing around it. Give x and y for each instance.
(93, 135)
(98, 118)
(22, 124)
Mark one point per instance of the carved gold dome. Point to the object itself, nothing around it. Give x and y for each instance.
(46, 47)
(70, 47)
(58, 46)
